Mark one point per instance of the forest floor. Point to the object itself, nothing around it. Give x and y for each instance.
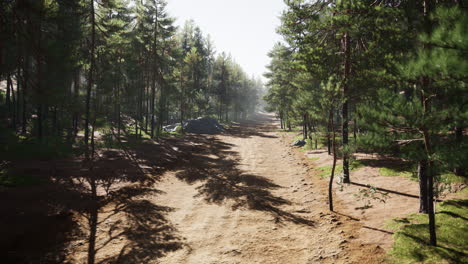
(245, 196)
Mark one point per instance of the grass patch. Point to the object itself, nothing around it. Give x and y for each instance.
(325, 171)
(14, 180)
(412, 236)
(410, 173)
(450, 177)
(108, 141)
(130, 130)
(25, 149)
(310, 144)
(314, 158)
(293, 130)
(392, 172)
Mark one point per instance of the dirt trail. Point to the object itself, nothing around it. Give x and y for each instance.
(262, 209)
(245, 196)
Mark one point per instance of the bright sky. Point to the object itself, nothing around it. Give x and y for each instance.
(243, 28)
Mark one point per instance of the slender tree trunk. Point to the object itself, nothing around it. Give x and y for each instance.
(9, 87)
(14, 105)
(182, 102)
(355, 130)
(24, 93)
(305, 134)
(155, 68)
(147, 107)
(330, 129)
(427, 142)
(330, 183)
(76, 90)
(422, 175)
(93, 216)
(119, 120)
(90, 80)
(281, 119)
(37, 35)
(8, 99)
(347, 68)
(153, 97)
(459, 140)
(430, 206)
(161, 109)
(17, 103)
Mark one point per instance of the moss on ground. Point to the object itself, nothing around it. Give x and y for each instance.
(411, 239)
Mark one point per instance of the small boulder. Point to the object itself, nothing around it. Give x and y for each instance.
(298, 143)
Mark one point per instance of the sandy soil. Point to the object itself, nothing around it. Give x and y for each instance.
(245, 196)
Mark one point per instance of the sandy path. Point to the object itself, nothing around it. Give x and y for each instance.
(282, 220)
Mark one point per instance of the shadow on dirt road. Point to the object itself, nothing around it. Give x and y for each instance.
(41, 223)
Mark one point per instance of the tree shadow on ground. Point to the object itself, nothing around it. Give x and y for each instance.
(44, 223)
(34, 223)
(212, 163)
(149, 234)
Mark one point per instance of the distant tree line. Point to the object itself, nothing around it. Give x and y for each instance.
(75, 65)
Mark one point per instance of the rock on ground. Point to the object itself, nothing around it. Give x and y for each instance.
(203, 125)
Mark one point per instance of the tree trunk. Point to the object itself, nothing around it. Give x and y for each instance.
(355, 130)
(459, 140)
(330, 128)
(426, 87)
(119, 120)
(16, 99)
(155, 68)
(76, 91)
(14, 104)
(153, 97)
(305, 127)
(281, 119)
(346, 48)
(90, 80)
(41, 109)
(24, 93)
(430, 206)
(422, 175)
(330, 183)
(9, 87)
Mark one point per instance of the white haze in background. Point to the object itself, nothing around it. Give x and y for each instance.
(244, 28)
